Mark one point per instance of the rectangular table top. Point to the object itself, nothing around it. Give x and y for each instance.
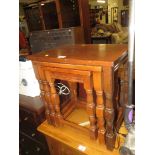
(74, 138)
(83, 54)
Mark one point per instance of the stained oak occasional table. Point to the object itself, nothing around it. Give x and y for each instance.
(97, 67)
(71, 142)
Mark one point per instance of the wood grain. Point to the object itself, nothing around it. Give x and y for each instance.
(73, 138)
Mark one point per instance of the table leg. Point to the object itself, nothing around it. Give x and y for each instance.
(54, 99)
(109, 110)
(98, 86)
(43, 98)
(91, 107)
(43, 93)
(47, 95)
(56, 102)
(48, 100)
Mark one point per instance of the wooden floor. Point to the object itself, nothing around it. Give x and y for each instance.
(74, 139)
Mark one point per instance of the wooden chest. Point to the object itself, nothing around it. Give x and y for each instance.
(101, 69)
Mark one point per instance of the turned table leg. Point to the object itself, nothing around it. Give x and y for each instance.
(109, 108)
(43, 98)
(98, 86)
(47, 96)
(48, 100)
(43, 92)
(91, 107)
(56, 102)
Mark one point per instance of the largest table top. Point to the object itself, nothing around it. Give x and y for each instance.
(83, 54)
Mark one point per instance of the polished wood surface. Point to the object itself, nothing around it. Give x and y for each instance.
(97, 67)
(65, 141)
(87, 54)
(59, 14)
(85, 18)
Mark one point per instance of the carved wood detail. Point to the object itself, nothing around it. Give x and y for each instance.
(56, 102)
(91, 107)
(98, 86)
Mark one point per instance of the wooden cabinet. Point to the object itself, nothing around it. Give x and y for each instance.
(33, 18)
(70, 13)
(41, 16)
(31, 115)
(97, 67)
(50, 16)
(59, 14)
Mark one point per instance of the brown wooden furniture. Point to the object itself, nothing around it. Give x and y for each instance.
(55, 14)
(31, 115)
(66, 141)
(97, 67)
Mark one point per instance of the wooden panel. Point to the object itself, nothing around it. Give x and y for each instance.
(50, 15)
(33, 18)
(70, 13)
(59, 13)
(85, 19)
